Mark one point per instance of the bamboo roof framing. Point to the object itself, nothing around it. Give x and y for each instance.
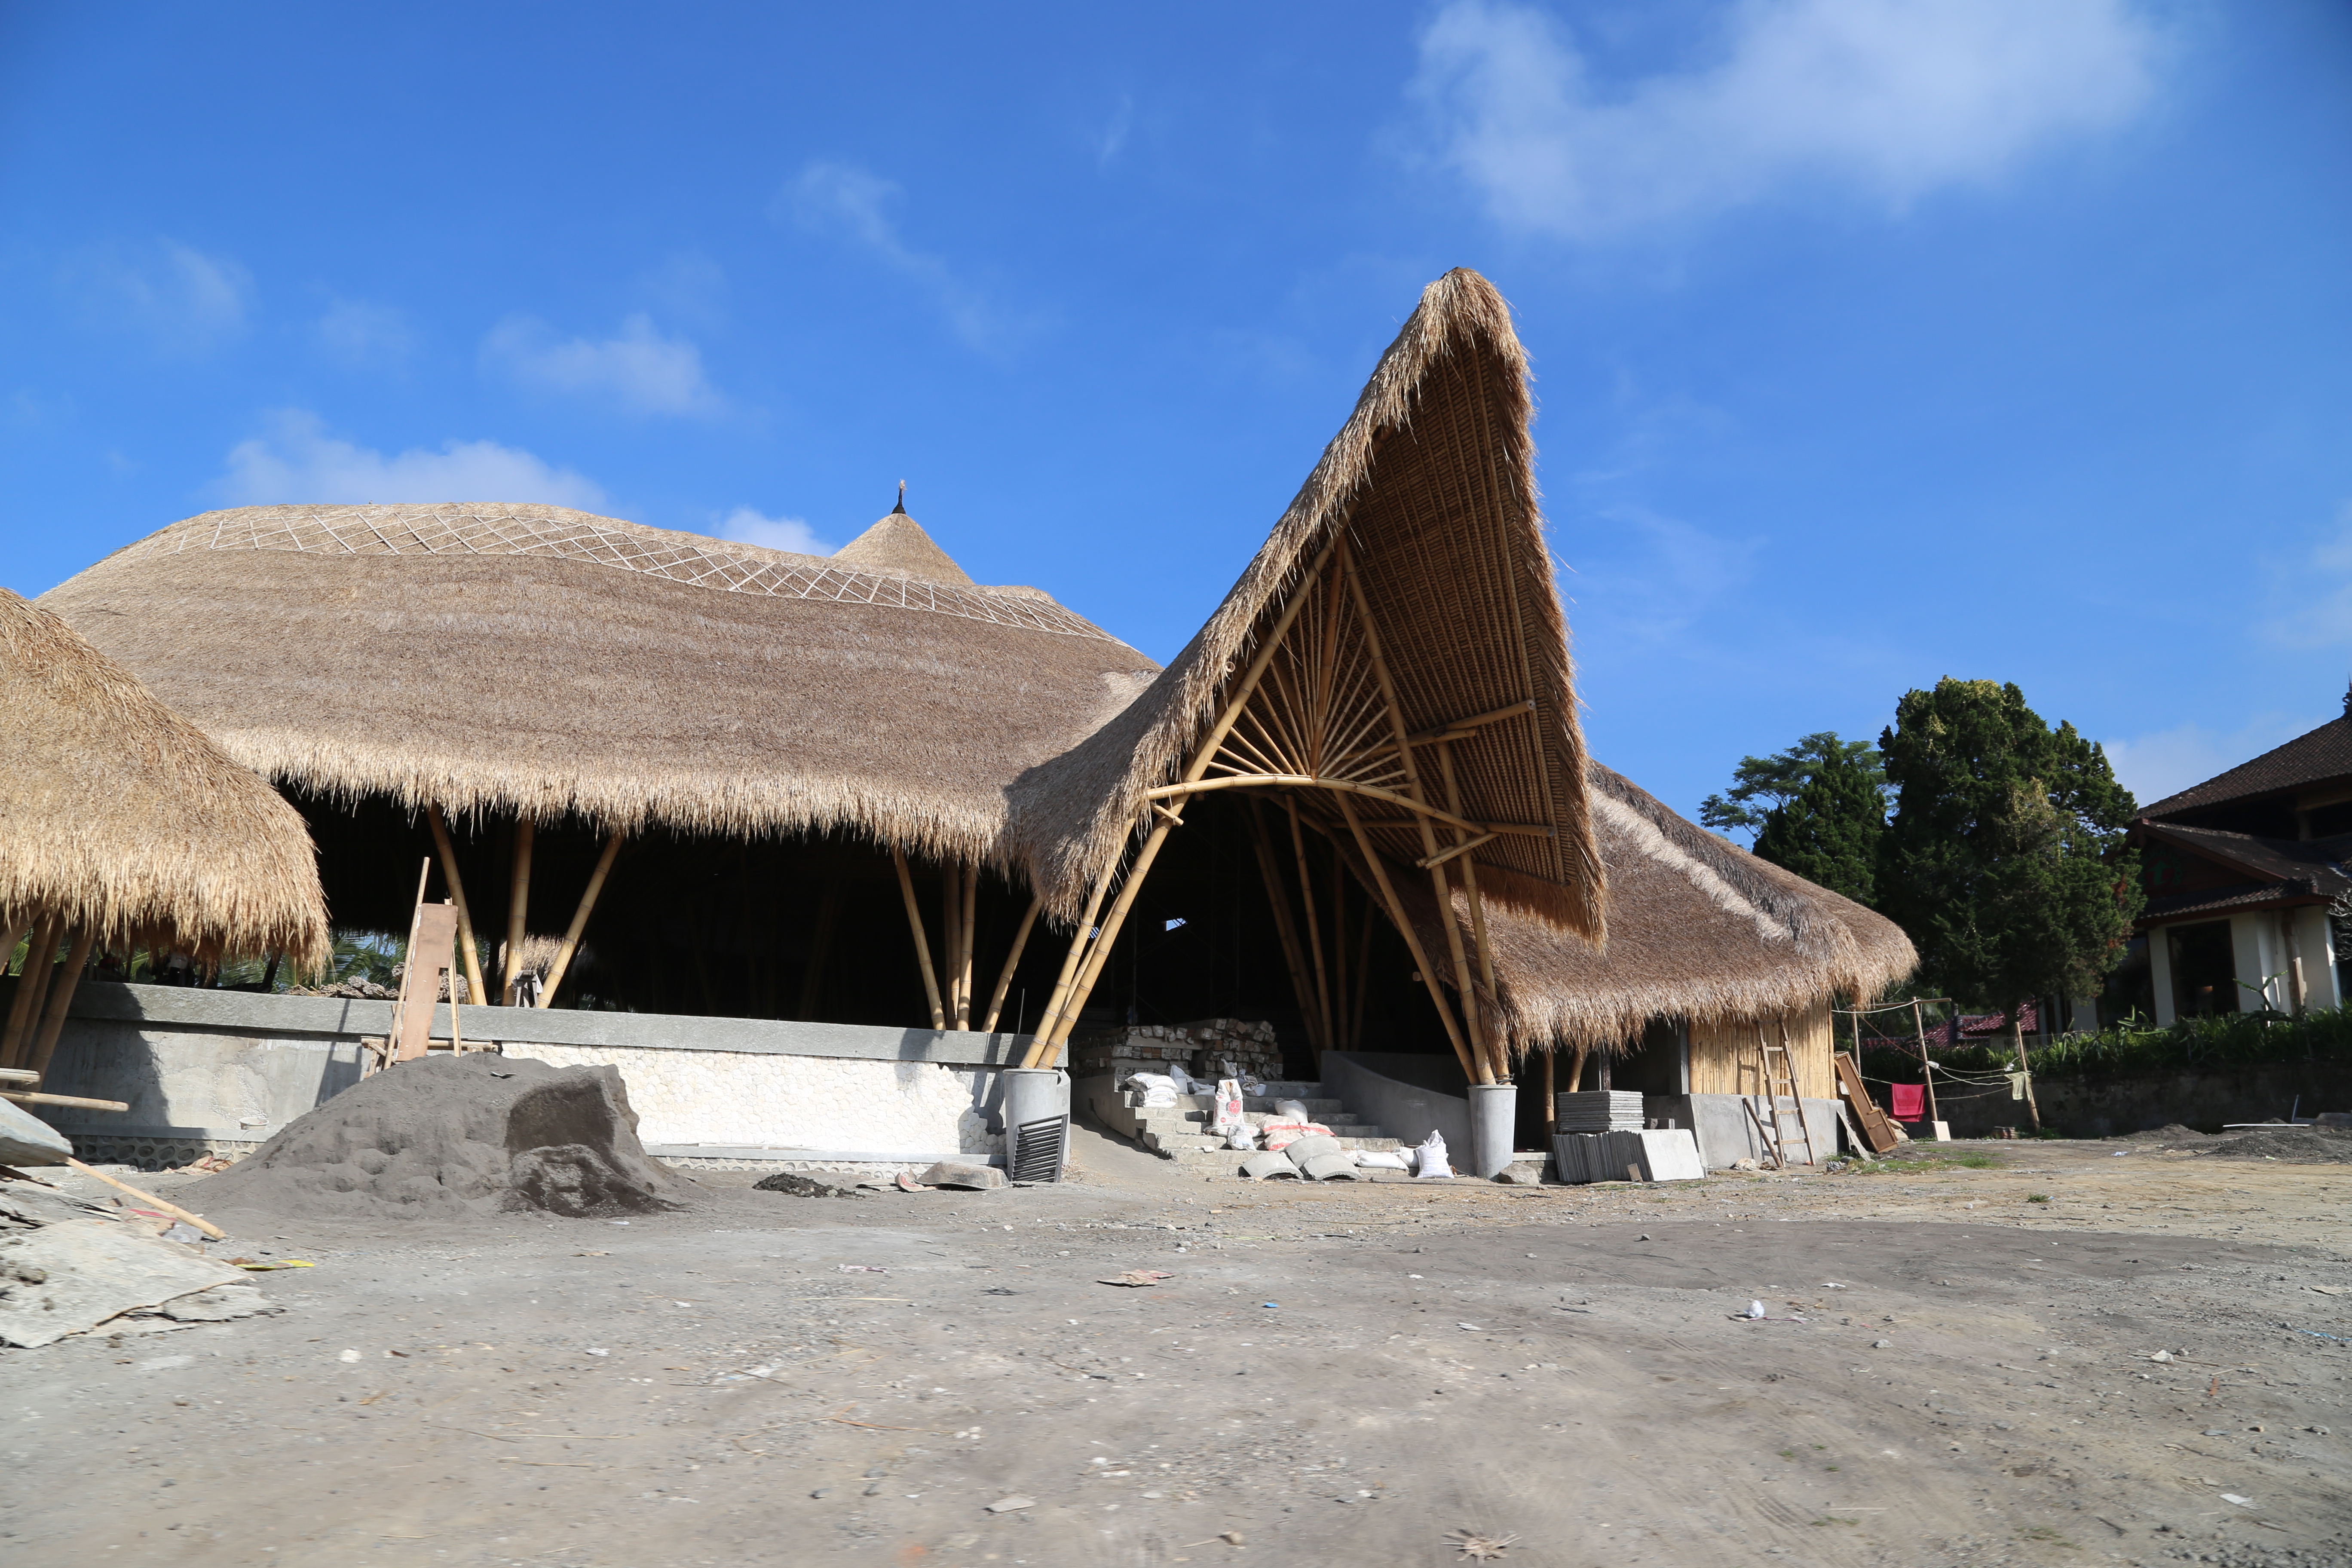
(1397, 645)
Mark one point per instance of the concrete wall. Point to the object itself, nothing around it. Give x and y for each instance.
(2159, 974)
(1725, 1134)
(2110, 1107)
(1406, 1097)
(231, 1067)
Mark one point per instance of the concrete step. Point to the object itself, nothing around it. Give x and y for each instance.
(1317, 1106)
(1185, 1148)
(1162, 1116)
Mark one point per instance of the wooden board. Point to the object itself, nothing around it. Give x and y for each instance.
(1874, 1125)
(430, 955)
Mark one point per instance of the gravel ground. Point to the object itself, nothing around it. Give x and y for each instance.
(1334, 1374)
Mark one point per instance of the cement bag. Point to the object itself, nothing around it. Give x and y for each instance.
(1185, 1082)
(1242, 1137)
(1375, 1160)
(1158, 1089)
(1227, 1113)
(1292, 1110)
(1429, 1160)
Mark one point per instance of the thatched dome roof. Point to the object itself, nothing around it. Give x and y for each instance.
(1698, 929)
(1431, 482)
(123, 818)
(503, 659)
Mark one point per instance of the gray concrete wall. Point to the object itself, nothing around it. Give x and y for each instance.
(1725, 1134)
(2110, 1107)
(1406, 1097)
(235, 1066)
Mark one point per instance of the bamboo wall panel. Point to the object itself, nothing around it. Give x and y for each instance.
(1718, 1050)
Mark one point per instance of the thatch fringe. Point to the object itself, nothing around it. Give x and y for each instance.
(121, 818)
(1698, 929)
(504, 659)
(1076, 816)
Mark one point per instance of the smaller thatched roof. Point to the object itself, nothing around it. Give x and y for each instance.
(123, 818)
(1698, 929)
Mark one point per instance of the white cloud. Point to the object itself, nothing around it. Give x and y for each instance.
(363, 336)
(185, 300)
(298, 461)
(2165, 761)
(850, 203)
(644, 372)
(1894, 98)
(776, 532)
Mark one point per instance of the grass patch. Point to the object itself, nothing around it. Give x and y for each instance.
(1833, 1519)
(2042, 1532)
(2037, 1197)
(1895, 1164)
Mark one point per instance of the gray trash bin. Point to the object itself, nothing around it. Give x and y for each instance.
(1036, 1122)
(1494, 1117)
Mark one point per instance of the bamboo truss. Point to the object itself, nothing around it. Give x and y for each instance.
(1317, 717)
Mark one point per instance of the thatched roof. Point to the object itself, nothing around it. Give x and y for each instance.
(121, 818)
(1432, 480)
(504, 658)
(1698, 929)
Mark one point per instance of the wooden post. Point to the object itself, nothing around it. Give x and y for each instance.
(478, 991)
(2017, 1035)
(1576, 1069)
(1551, 1093)
(579, 921)
(1469, 871)
(1926, 1065)
(1364, 980)
(970, 936)
(922, 941)
(32, 984)
(518, 907)
(1411, 941)
(174, 1210)
(1090, 970)
(1278, 896)
(1012, 962)
(1439, 884)
(60, 998)
(1314, 928)
(407, 967)
(828, 911)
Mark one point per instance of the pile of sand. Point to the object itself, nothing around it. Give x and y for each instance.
(2293, 1146)
(2173, 1133)
(450, 1136)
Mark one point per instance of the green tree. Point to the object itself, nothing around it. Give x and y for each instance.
(1829, 831)
(2002, 860)
(1760, 785)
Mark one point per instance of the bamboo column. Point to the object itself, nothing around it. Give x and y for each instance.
(1412, 939)
(53, 1021)
(922, 941)
(1012, 962)
(32, 984)
(1439, 883)
(1364, 980)
(1469, 865)
(579, 921)
(971, 940)
(1576, 1069)
(1286, 928)
(1094, 942)
(1314, 930)
(1550, 1094)
(950, 937)
(518, 907)
(1084, 934)
(441, 841)
(1339, 953)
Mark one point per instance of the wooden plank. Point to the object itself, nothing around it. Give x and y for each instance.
(1874, 1129)
(432, 942)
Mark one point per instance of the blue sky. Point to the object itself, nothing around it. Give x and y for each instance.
(1875, 343)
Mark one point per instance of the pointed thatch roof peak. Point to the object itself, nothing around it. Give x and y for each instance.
(898, 544)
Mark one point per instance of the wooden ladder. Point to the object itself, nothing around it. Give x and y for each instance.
(1773, 1130)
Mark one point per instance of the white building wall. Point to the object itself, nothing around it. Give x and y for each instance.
(2323, 986)
(2254, 945)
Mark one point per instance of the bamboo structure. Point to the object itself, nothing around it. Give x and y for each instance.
(922, 941)
(1012, 962)
(526, 832)
(563, 954)
(61, 991)
(477, 990)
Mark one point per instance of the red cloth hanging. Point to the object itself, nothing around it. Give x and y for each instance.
(1910, 1101)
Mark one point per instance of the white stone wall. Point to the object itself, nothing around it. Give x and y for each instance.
(780, 1102)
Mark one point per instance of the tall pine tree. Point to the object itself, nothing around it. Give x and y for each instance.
(1994, 861)
(1829, 831)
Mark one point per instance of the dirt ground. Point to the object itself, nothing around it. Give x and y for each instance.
(1955, 1367)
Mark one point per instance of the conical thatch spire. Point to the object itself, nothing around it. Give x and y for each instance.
(898, 544)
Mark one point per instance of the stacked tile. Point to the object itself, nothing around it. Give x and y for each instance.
(1663, 1154)
(1599, 1110)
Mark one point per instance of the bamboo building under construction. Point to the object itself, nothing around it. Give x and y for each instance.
(707, 777)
